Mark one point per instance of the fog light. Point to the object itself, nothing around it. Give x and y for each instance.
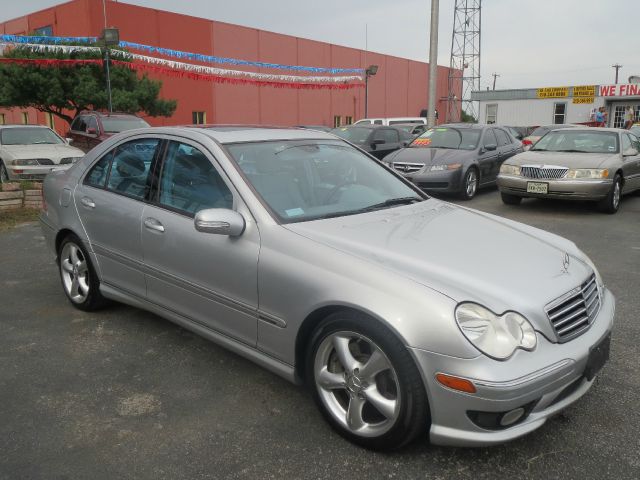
(512, 417)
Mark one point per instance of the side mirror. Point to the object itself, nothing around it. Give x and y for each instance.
(491, 147)
(69, 140)
(91, 131)
(630, 152)
(377, 142)
(406, 143)
(219, 221)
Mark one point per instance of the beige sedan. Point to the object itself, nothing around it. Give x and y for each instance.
(599, 164)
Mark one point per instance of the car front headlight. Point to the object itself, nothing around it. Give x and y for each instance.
(442, 168)
(68, 160)
(497, 336)
(23, 162)
(510, 169)
(580, 173)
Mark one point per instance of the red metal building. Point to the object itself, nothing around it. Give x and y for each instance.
(398, 89)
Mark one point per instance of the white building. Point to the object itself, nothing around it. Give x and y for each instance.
(554, 105)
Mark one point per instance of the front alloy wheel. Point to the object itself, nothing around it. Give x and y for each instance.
(611, 202)
(470, 184)
(365, 382)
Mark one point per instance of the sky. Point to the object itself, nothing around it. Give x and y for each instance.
(528, 43)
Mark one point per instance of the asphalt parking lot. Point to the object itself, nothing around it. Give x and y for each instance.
(125, 394)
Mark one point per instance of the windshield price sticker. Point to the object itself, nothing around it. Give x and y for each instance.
(421, 142)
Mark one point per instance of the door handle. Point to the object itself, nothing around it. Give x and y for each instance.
(87, 202)
(153, 224)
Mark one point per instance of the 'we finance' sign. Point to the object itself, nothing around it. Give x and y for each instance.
(620, 90)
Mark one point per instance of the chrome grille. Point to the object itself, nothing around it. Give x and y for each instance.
(405, 167)
(571, 314)
(545, 171)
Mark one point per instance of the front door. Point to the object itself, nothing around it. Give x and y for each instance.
(210, 279)
(488, 156)
(630, 163)
(110, 204)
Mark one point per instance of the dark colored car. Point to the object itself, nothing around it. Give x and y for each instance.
(538, 133)
(412, 128)
(90, 128)
(457, 158)
(378, 140)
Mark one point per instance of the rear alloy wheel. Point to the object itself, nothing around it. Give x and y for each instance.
(366, 383)
(79, 280)
(510, 199)
(469, 184)
(611, 202)
(4, 175)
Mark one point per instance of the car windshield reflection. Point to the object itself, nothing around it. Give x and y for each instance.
(308, 180)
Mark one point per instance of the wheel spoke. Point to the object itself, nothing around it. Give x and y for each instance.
(377, 363)
(341, 345)
(384, 405)
(82, 267)
(83, 286)
(354, 413)
(73, 290)
(73, 251)
(67, 266)
(329, 380)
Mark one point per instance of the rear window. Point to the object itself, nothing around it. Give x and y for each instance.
(121, 124)
(353, 134)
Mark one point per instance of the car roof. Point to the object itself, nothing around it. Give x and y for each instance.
(466, 125)
(18, 125)
(107, 114)
(367, 125)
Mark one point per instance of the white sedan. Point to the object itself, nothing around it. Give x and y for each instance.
(29, 152)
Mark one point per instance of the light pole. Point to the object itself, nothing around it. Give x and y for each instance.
(110, 37)
(369, 72)
(433, 64)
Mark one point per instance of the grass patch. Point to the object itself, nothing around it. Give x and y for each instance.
(11, 218)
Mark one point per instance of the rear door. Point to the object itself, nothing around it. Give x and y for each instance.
(110, 201)
(93, 132)
(488, 156)
(78, 133)
(631, 163)
(210, 279)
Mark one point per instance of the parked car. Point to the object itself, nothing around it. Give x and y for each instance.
(517, 132)
(600, 164)
(321, 128)
(29, 152)
(90, 128)
(304, 254)
(391, 121)
(378, 140)
(456, 158)
(635, 129)
(414, 129)
(539, 132)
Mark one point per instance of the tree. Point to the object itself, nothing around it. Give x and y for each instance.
(466, 118)
(63, 89)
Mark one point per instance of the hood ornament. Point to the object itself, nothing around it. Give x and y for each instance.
(566, 261)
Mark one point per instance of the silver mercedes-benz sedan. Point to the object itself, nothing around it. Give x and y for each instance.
(301, 252)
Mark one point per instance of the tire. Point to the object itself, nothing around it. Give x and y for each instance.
(79, 279)
(470, 183)
(611, 203)
(4, 175)
(508, 199)
(379, 400)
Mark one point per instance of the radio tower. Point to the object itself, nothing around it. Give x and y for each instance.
(464, 66)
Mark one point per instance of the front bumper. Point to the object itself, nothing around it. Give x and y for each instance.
(448, 181)
(32, 172)
(544, 381)
(591, 189)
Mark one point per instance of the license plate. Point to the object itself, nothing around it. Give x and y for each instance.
(598, 356)
(537, 187)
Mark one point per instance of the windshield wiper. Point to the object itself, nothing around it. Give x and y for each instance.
(572, 151)
(376, 206)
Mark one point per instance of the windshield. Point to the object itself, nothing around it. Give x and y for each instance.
(353, 134)
(454, 138)
(540, 131)
(120, 124)
(29, 136)
(570, 140)
(311, 179)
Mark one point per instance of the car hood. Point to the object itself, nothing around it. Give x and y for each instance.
(463, 254)
(430, 156)
(53, 152)
(563, 159)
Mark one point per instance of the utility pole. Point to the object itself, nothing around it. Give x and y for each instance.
(494, 75)
(617, 66)
(433, 64)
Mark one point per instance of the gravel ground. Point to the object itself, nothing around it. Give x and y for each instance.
(125, 394)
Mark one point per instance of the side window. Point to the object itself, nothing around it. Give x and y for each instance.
(79, 124)
(377, 122)
(189, 182)
(92, 123)
(386, 134)
(626, 142)
(97, 176)
(635, 142)
(503, 138)
(130, 167)
(489, 138)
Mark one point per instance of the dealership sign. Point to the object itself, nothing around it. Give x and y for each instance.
(620, 90)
